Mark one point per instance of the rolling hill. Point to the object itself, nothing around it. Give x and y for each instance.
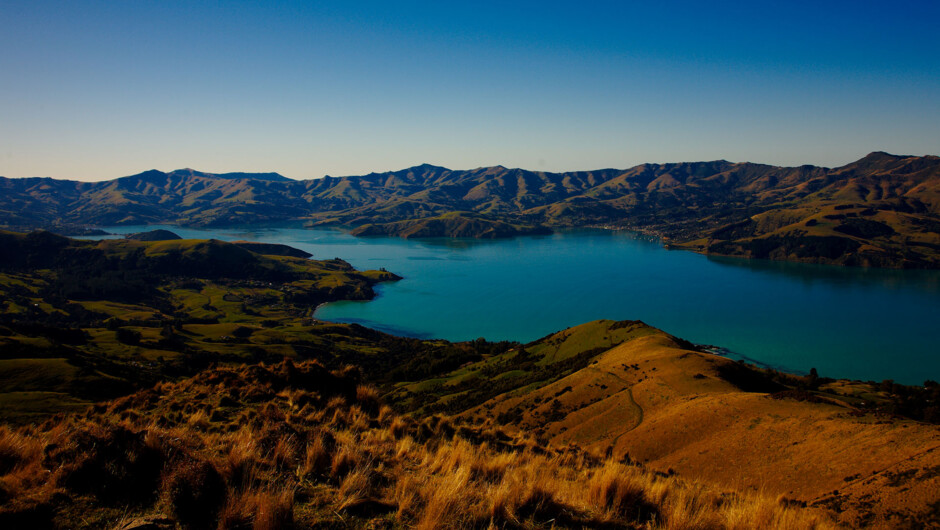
(635, 393)
(85, 320)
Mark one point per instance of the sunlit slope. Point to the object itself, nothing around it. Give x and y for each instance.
(294, 445)
(879, 211)
(644, 395)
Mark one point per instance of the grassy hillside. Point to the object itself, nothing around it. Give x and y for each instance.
(82, 320)
(632, 392)
(882, 210)
(879, 211)
(297, 446)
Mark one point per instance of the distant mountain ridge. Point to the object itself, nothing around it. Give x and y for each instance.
(882, 210)
(270, 176)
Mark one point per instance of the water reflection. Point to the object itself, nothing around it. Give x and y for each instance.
(923, 281)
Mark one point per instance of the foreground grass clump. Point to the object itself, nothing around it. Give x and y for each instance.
(296, 446)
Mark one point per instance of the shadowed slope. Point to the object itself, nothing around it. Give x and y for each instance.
(87, 320)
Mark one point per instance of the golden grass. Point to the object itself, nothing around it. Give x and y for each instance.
(259, 510)
(273, 465)
(355, 487)
(317, 458)
(615, 491)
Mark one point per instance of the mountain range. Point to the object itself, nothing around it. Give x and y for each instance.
(882, 210)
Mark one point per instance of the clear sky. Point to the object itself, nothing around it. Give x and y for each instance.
(95, 90)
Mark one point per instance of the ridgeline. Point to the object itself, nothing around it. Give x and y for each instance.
(881, 211)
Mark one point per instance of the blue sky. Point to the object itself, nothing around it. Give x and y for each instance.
(96, 90)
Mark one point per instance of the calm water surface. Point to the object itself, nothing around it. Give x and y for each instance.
(846, 322)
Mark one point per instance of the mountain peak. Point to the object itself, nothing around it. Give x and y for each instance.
(875, 160)
(151, 175)
(881, 155)
(271, 176)
(426, 166)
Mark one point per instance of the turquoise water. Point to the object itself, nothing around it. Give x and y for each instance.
(856, 323)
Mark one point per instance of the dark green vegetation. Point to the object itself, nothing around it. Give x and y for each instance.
(153, 235)
(883, 210)
(82, 320)
(272, 249)
(921, 403)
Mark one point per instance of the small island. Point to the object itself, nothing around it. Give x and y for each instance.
(153, 235)
(455, 224)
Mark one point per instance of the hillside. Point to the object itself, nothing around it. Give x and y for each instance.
(85, 320)
(882, 210)
(273, 249)
(635, 393)
(297, 446)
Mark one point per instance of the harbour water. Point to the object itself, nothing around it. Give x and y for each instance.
(870, 324)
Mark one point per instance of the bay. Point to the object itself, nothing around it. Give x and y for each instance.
(869, 324)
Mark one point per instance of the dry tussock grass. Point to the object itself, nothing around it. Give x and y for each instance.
(306, 445)
(268, 509)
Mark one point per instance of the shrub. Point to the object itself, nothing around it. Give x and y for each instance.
(344, 461)
(128, 336)
(194, 491)
(368, 399)
(612, 488)
(14, 449)
(259, 510)
(112, 462)
(318, 458)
